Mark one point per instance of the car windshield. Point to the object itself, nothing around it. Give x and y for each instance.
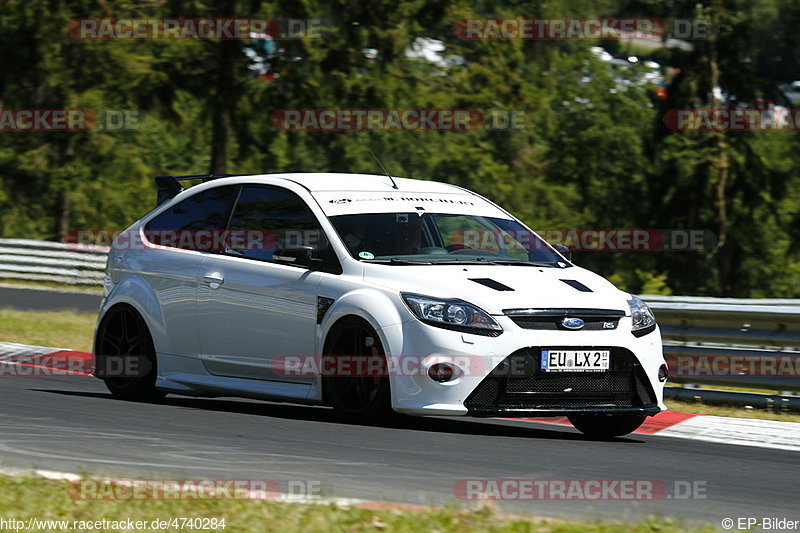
(399, 238)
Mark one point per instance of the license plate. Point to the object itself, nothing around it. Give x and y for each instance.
(576, 360)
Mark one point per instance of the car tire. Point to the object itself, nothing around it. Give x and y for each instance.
(125, 356)
(606, 426)
(357, 398)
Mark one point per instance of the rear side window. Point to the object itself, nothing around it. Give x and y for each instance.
(266, 219)
(197, 223)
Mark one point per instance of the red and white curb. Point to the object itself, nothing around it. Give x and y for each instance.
(742, 431)
(26, 360)
(720, 429)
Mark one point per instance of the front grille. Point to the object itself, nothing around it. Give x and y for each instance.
(550, 319)
(554, 323)
(518, 384)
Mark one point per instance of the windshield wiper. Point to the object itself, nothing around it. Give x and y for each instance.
(395, 261)
(523, 263)
(487, 261)
(475, 261)
(460, 262)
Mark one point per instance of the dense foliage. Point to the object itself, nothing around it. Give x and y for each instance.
(593, 153)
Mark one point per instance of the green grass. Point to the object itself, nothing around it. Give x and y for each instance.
(30, 497)
(735, 412)
(59, 329)
(30, 284)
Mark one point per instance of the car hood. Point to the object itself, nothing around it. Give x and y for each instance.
(497, 287)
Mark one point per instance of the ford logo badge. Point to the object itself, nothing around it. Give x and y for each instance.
(573, 323)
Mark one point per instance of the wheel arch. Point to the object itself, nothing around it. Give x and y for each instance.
(376, 308)
(342, 321)
(135, 293)
(379, 310)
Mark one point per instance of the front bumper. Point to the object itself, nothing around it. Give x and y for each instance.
(489, 389)
(535, 413)
(519, 387)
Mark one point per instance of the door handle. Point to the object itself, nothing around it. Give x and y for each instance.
(214, 278)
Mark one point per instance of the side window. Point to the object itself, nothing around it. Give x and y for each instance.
(383, 233)
(267, 219)
(197, 223)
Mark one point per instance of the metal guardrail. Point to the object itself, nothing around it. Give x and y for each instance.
(655, 300)
(713, 330)
(772, 325)
(733, 367)
(52, 261)
(731, 342)
(753, 400)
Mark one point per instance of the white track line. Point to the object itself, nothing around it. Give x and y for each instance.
(739, 431)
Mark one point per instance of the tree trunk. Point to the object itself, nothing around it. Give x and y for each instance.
(720, 164)
(224, 102)
(63, 216)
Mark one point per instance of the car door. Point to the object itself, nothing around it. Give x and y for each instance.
(255, 306)
(183, 235)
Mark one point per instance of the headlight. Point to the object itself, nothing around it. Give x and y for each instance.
(452, 314)
(644, 321)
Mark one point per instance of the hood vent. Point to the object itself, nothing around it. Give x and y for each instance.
(577, 285)
(492, 284)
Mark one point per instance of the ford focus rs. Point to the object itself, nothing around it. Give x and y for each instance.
(372, 295)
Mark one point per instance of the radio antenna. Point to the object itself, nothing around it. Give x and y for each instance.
(394, 185)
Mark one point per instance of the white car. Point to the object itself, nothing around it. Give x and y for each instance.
(297, 287)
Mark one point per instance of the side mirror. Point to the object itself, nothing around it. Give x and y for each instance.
(295, 255)
(564, 250)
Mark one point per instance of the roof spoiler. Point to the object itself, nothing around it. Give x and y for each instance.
(169, 186)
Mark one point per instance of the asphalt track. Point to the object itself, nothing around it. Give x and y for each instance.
(48, 300)
(70, 423)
